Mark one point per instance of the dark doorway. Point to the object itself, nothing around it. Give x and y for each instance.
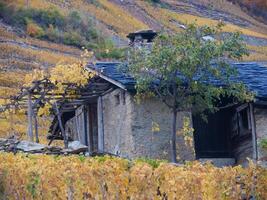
(92, 127)
(213, 137)
(226, 134)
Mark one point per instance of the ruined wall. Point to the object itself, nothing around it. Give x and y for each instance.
(156, 143)
(71, 129)
(261, 131)
(128, 128)
(117, 119)
(243, 151)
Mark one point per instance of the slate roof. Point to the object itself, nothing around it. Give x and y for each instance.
(114, 71)
(253, 75)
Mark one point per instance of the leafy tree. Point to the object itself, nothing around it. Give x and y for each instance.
(189, 72)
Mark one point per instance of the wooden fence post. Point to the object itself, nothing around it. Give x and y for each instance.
(29, 113)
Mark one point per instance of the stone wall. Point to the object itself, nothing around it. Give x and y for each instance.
(261, 131)
(128, 128)
(117, 119)
(156, 143)
(243, 151)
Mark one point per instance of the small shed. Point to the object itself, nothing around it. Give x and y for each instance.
(107, 118)
(113, 122)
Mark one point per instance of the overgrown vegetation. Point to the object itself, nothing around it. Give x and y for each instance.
(70, 177)
(77, 29)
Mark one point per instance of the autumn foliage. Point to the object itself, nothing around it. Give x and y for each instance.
(76, 177)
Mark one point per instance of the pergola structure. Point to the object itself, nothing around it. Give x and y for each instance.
(41, 92)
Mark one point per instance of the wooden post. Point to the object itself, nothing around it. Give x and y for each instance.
(253, 128)
(61, 126)
(27, 3)
(36, 127)
(30, 133)
(100, 125)
(11, 121)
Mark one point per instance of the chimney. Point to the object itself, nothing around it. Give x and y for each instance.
(142, 38)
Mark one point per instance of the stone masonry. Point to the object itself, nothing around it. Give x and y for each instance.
(128, 128)
(261, 132)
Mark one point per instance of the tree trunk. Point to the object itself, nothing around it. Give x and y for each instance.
(173, 140)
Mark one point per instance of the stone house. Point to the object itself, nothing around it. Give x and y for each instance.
(107, 119)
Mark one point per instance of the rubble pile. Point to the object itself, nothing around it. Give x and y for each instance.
(14, 145)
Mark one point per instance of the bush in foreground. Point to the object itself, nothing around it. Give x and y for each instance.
(76, 177)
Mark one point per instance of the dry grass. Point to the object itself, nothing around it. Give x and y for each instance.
(108, 13)
(16, 124)
(6, 92)
(112, 15)
(13, 64)
(51, 45)
(229, 7)
(7, 34)
(48, 57)
(39, 4)
(123, 22)
(168, 18)
(258, 53)
(12, 79)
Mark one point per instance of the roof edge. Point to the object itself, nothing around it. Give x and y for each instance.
(118, 84)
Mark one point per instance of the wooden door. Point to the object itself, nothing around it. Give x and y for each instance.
(81, 124)
(212, 138)
(92, 127)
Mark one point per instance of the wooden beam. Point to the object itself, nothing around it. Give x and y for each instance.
(61, 126)
(100, 119)
(36, 127)
(29, 113)
(107, 78)
(254, 134)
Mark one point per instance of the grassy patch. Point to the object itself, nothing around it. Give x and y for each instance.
(257, 53)
(75, 28)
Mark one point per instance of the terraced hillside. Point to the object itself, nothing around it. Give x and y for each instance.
(30, 45)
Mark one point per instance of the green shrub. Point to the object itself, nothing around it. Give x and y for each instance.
(53, 34)
(73, 38)
(152, 162)
(263, 143)
(51, 16)
(154, 1)
(34, 30)
(114, 53)
(107, 50)
(74, 20)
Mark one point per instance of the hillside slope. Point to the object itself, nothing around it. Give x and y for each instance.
(23, 50)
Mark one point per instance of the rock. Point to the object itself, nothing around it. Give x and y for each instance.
(27, 146)
(14, 145)
(208, 38)
(76, 147)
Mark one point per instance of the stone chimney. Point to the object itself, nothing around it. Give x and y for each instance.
(140, 39)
